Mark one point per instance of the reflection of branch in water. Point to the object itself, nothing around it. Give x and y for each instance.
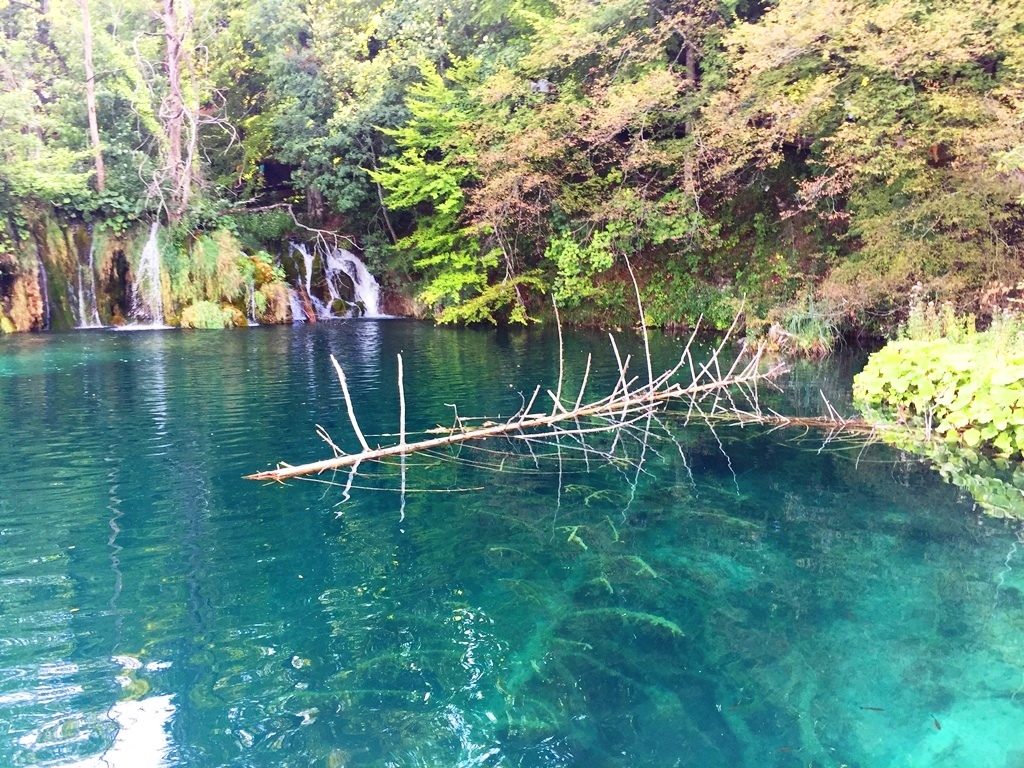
(1006, 570)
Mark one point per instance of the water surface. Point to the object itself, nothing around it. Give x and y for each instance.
(745, 600)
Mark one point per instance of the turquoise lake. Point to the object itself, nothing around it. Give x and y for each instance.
(746, 599)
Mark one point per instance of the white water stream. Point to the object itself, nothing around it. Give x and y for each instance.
(251, 305)
(365, 286)
(88, 311)
(338, 261)
(147, 299)
(44, 290)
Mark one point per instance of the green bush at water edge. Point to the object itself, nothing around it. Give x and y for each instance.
(207, 314)
(967, 387)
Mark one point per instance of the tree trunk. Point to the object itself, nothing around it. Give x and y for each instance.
(689, 174)
(90, 97)
(314, 204)
(173, 114)
(691, 65)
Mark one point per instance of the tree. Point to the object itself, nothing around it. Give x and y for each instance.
(903, 116)
(90, 96)
(177, 21)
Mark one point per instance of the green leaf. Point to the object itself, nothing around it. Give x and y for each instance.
(971, 437)
(1003, 444)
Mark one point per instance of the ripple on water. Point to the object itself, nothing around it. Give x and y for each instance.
(773, 607)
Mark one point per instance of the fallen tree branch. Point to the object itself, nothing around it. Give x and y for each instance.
(615, 412)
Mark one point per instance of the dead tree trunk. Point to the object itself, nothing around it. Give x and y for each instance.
(173, 109)
(90, 97)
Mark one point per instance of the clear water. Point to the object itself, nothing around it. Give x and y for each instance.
(769, 605)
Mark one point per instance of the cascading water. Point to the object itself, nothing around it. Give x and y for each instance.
(44, 290)
(336, 262)
(251, 288)
(307, 261)
(88, 311)
(295, 306)
(366, 290)
(83, 313)
(322, 310)
(147, 302)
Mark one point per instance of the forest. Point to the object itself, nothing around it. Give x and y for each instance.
(581, 383)
(819, 165)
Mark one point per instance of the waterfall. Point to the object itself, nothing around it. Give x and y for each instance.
(147, 301)
(295, 305)
(336, 262)
(252, 304)
(93, 292)
(83, 316)
(307, 261)
(366, 290)
(88, 311)
(44, 290)
(322, 310)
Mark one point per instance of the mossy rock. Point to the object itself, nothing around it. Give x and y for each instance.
(263, 272)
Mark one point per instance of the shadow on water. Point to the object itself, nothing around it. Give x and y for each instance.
(746, 599)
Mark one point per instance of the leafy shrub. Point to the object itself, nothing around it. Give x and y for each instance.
(262, 269)
(498, 300)
(576, 264)
(676, 294)
(928, 321)
(272, 303)
(207, 314)
(259, 229)
(968, 390)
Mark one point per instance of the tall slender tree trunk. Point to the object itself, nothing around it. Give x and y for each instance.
(173, 114)
(90, 97)
(689, 174)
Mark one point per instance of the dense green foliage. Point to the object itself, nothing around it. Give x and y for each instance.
(206, 314)
(964, 386)
(485, 153)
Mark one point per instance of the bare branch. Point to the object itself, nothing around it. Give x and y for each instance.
(348, 405)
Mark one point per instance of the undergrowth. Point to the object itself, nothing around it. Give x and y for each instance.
(963, 386)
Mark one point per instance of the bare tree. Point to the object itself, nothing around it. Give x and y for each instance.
(177, 18)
